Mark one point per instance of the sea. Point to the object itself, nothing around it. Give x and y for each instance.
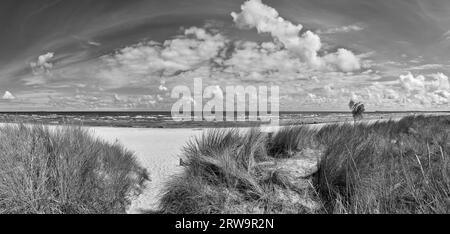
(164, 119)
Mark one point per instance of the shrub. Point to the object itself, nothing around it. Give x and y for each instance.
(64, 170)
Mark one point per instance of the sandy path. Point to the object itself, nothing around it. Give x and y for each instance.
(156, 149)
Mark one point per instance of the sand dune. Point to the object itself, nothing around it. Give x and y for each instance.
(156, 149)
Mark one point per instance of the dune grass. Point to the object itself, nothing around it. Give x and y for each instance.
(386, 167)
(64, 170)
(222, 176)
(391, 167)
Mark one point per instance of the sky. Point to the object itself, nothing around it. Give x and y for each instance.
(58, 55)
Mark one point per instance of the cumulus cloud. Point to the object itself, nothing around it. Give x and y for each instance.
(254, 60)
(411, 84)
(266, 19)
(206, 52)
(294, 60)
(433, 89)
(43, 63)
(8, 96)
(343, 60)
(420, 91)
(195, 48)
(41, 70)
(405, 92)
(380, 94)
(439, 82)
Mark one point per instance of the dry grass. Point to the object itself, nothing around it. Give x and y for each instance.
(64, 170)
(222, 176)
(386, 167)
(393, 167)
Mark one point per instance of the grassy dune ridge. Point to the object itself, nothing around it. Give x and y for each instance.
(64, 170)
(386, 167)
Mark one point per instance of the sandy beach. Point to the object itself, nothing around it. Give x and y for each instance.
(156, 149)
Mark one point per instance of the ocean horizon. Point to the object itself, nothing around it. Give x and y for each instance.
(164, 119)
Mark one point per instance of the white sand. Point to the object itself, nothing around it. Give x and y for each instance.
(157, 150)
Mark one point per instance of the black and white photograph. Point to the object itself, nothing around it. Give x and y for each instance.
(224, 107)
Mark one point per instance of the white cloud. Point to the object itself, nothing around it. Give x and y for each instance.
(162, 86)
(266, 19)
(439, 82)
(43, 63)
(343, 60)
(93, 43)
(294, 60)
(313, 98)
(41, 70)
(256, 61)
(415, 91)
(117, 98)
(195, 47)
(204, 52)
(141, 62)
(8, 96)
(102, 101)
(343, 29)
(427, 67)
(411, 83)
(407, 92)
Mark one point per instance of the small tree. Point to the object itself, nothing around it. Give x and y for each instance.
(357, 109)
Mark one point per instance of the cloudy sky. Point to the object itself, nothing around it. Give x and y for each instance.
(128, 55)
